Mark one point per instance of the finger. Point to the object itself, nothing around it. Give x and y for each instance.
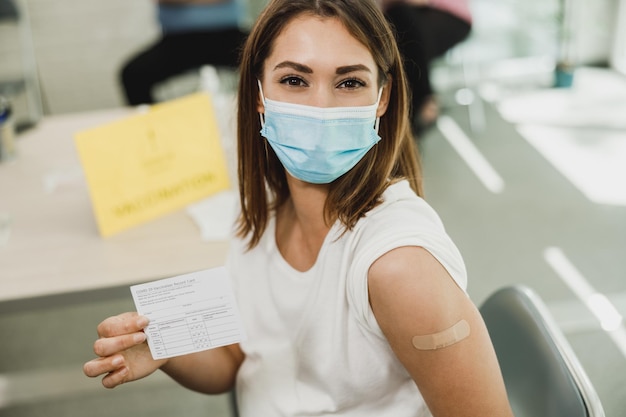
(108, 346)
(122, 324)
(100, 366)
(115, 378)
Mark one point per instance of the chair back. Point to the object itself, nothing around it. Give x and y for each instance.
(543, 376)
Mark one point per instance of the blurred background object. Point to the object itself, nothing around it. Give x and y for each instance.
(193, 34)
(7, 130)
(426, 30)
(618, 57)
(19, 78)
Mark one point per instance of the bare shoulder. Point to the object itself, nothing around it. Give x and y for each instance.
(413, 297)
(410, 280)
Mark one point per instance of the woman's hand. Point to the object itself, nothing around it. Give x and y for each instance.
(123, 354)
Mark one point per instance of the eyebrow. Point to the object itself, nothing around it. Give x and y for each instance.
(352, 68)
(294, 65)
(308, 70)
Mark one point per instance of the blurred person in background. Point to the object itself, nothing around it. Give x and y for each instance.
(194, 33)
(426, 29)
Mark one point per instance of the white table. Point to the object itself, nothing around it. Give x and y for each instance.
(54, 246)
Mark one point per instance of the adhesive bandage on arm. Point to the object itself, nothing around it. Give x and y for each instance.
(442, 339)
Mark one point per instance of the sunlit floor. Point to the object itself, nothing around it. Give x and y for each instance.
(519, 198)
(538, 198)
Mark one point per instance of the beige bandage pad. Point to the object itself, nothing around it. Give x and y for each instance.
(444, 338)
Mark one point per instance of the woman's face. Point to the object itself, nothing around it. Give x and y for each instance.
(317, 62)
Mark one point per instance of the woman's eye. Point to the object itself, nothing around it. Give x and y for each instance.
(351, 84)
(293, 81)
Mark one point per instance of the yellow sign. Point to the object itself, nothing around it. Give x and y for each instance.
(153, 163)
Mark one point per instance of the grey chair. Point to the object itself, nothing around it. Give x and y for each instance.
(232, 402)
(543, 376)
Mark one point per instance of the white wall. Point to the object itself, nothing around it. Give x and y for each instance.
(79, 47)
(595, 24)
(618, 57)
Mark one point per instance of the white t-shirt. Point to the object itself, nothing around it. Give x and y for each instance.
(314, 347)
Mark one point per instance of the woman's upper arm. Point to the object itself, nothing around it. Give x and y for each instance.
(412, 294)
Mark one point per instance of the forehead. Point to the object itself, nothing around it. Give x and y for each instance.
(312, 39)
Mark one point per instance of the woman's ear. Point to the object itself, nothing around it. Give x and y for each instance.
(260, 108)
(384, 97)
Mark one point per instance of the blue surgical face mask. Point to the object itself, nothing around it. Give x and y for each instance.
(319, 144)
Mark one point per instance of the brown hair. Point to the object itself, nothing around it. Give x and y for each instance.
(262, 181)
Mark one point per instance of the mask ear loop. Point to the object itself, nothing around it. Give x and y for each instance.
(377, 123)
(262, 118)
(261, 115)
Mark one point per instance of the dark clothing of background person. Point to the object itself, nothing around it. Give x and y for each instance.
(191, 38)
(424, 33)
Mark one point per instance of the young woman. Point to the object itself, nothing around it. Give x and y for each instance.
(352, 294)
